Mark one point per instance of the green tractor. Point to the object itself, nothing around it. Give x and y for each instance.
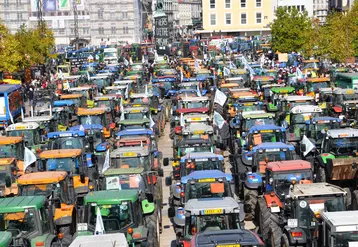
(121, 211)
(24, 221)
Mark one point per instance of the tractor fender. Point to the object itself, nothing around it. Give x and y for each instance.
(272, 200)
(297, 240)
(322, 159)
(179, 219)
(253, 180)
(176, 191)
(89, 160)
(47, 239)
(63, 215)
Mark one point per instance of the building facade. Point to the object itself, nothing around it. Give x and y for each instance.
(14, 13)
(320, 10)
(236, 17)
(185, 14)
(301, 5)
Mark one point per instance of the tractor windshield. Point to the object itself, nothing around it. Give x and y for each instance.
(37, 190)
(187, 150)
(63, 164)
(97, 135)
(258, 121)
(91, 119)
(103, 103)
(193, 104)
(315, 86)
(31, 136)
(114, 217)
(200, 165)
(131, 162)
(341, 146)
(67, 143)
(134, 116)
(345, 239)
(283, 181)
(212, 222)
(206, 190)
(12, 150)
(316, 131)
(19, 223)
(271, 155)
(267, 136)
(125, 182)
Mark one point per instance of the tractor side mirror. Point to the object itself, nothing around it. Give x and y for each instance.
(57, 203)
(171, 212)
(160, 172)
(82, 178)
(7, 181)
(166, 161)
(149, 197)
(303, 147)
(168, 181)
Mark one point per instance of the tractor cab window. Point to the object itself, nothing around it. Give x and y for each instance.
(31, 136)
(206, 190)
(316, 131)
(188, 150)
(12, 150)
(37, 190)
(345, 239)
(91, 119)
(134, 116)
(267, 136)
(63, 164)
(67, 143)
(213, 222)
(115, 217)
(20, 223)
(248, 123)
(97, 135)
(273, 155)
(200, 165)
(131, 162)
(341, 145)
(125, 182)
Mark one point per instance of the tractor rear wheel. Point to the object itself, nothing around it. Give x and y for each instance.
(284, 241)
(152, 223)
(250, 201)
(348, 198)
(355, 200)
(275, 233)
(262, 218)
(321, 174)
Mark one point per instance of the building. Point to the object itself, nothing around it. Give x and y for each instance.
(339, 5)
(14, 13)
(185, 14)
(320, 10)
(236, 17)
(301, 5)
(196, 14)
(115, 21)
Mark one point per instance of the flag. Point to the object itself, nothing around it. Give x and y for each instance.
(218, 120)
(130, 60)
(226, 71)
(126, 92)
(181, 75)
(11, 118)
(309, 145)
(88, 76)
(126, 62)
(220, 97)
(106, 164)
(197, 66)
(61, 74)
(99, 230)
(146, 89)
(152, 123)
(299, 73)
(82, 128)
(198, 93)
(122, 110)
(29, 158)
(182, 121)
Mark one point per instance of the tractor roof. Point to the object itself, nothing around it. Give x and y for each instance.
(318, 79)
(104, 240)
(105, 97)
(128, 152)
(196, 127)
(194, 99)
(229, 85)
(195, 142)
(234, 237)
(86, 127)
(305, 109)
(338, 90)
(61, 103)
(90, 111)
(280, 89)
(341, 133)
(122, 82)
(324, 119)
(81, 88)
(198, 206)
(74, 133)
(135, 132)
(273, 145)
(117, 87)
(206, 174)
(71, 96)
(136, 109)
(20, 203)
(110, 197)
(341, 221)
(140, 95)
(257, 114)
(7, 140)
(60, 153)
(201, 155)
(263, 78)
(288, 165)
(316, 189)
(37, 119)
(262, 128)
(134, 121)
(47, 177)
(23, 126)
(298, 98)
(123, 171)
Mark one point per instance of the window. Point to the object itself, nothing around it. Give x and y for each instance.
(227, 4)
(258, 18)
(243, 19)
(19, 16)
(61, 31)
(125, 30)
(212, 19)
(6, 3)
(228, 18)
(101, 30)
(212, 4)
(7, 16)
(113, 30)
(72, 31)
(258, 4)
(243, 3)
(302, 8)
(100, 14)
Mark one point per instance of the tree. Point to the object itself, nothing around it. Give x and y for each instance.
(9, 46)
(290, 30)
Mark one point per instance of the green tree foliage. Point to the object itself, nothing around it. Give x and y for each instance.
(9, 47)
(290, 30)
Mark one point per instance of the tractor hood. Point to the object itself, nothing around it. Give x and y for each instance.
(193, 110)
(5, 239)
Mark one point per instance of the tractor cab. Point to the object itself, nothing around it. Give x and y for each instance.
(65, 113)
(197, 185)
(109, 102)
(259, 134)
(284, 104)
(57, 187)
(43, 102)
(298, 117)
(8, 175)
(132, 157)
(168, 83)
(208, 214)
(96, 116)
(101, 80)
(118, 90)
(95, 135)
(240, 100)
(136, 113)
(345, 104)
(240, 80)
(47, 123)
(144, 99)
(193, 104)
(226, 87)
(250, 119)
(87, 91)
(34, 136)
(258, 82)
(313, 86)
(14, 147)
(133, 124)
(194, 131)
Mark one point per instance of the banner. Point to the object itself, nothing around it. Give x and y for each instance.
(63, 5)
(29, 158)
(49, 5)
(161, 30)
(34, 5)
(99, 230)
(220, 97)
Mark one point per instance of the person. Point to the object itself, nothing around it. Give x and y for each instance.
(31, 94)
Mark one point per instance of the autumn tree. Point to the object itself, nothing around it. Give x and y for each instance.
(9, 47)
(290, 30)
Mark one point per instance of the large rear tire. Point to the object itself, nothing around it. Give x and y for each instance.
(152, 223)
(321, 174)
(275, 233)
(355, 200)
(250, 201)
(262, 219)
